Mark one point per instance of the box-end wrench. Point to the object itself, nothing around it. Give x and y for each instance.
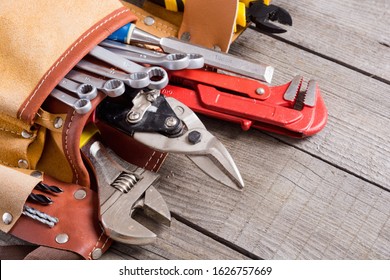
(172, 61)
(81, 106)
(129, 33)
(83, 90)
(112, 87)
(134, 80)
(158, 77)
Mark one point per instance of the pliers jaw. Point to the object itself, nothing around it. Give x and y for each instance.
(169, 126)
(263, 15)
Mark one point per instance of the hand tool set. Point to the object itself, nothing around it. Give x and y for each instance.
(127, 102)
(258, 12)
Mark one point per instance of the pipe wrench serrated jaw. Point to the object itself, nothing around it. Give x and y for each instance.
(124, 188)
(309, 103)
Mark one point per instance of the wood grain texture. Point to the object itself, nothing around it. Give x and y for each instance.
(324, 197)
(356, 137)
(356, 33)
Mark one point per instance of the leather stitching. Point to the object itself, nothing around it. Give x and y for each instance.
(64, 56)
(67, 150)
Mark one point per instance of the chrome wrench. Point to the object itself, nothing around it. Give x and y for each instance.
(81, 106)
(112, 87)
(130, 33)
(172, 61)
(83, 90)
(158, 77)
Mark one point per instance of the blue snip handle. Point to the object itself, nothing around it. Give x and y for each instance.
(123, 34)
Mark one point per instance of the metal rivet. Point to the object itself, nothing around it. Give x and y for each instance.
(36, 174)
(58, 122)
(25, 134)
(133, 116)
(186, 36)
(171, 121)
(97, 254)
(62, 238)
(149, 20)
(217, 48)
(22, 163)
(7, 218)
(260, 91)
(80, 194)
(194, 137)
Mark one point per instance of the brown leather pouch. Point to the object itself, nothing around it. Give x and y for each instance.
(39, 136)
(41, 42)
(208, 23)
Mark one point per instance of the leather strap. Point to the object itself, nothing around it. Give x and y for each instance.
(209, 23)
(78, 229)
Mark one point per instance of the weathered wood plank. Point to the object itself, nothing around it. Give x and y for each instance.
(175, 242)
(356, 136)
(354, 32)
(294, 205)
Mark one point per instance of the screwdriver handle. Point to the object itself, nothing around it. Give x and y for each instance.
(123, 34)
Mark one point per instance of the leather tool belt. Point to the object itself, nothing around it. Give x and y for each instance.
(39, 137)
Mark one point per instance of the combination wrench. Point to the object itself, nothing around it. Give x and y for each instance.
(83, 90)
(157, 77)
(112, 87)
(81, 106)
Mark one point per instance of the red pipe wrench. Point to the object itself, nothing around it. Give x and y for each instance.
(283, 109)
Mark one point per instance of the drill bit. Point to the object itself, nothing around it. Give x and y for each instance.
(39, 198)
(39, 216)
(48, 189)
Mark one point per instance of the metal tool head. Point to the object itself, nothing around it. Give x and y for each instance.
(123, 188)
(262, 15)
(172, 61)
(204, 149)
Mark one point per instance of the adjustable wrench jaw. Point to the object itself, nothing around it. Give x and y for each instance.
(123, 188)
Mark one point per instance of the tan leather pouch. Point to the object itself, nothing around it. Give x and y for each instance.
(208, 23)
(41, 41)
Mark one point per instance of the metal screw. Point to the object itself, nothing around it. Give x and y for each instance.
(62, 238)
(25, 134)
(58, 122)
(171, 121)
(80, 194)
(186, 36)
(194, 137)
(22, 163)
(260, 91)
(133, 116)
(7, 218)
(149, 20)
(97, 254)
(150, 98)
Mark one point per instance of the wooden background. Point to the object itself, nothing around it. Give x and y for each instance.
(324, 197)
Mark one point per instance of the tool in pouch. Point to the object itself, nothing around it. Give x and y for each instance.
(131, 34)
(123, 188)
(259, 12)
